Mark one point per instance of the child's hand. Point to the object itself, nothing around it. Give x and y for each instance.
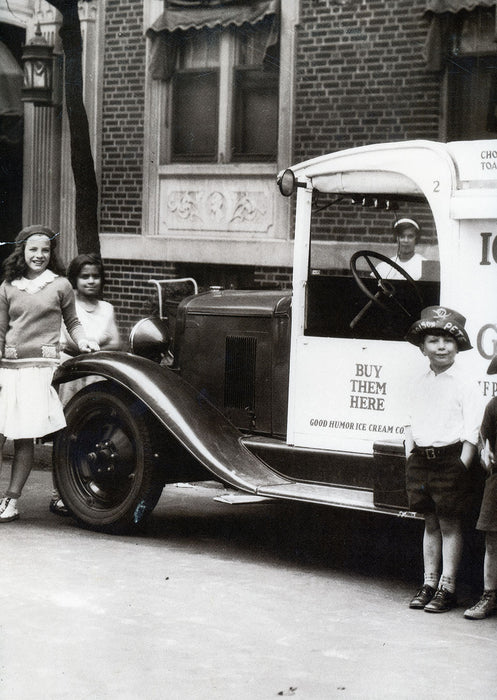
(487, 457)
(85, 345)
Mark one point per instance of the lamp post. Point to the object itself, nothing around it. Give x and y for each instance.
(37, 57)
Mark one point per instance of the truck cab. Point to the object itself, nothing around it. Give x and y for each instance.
(296, 394)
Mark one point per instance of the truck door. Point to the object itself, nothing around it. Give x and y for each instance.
(350, 363)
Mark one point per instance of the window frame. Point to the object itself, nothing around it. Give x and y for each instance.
(226, 67)
(159, 240)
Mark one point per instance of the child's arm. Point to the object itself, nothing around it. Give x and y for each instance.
(489, 423)
(408, 440)
(488, 434)
(467, 453)
(4, 317)
(111, 339)
(472, 411)
(73, 324)
(487, 456)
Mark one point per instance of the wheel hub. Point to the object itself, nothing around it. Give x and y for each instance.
(103, 459)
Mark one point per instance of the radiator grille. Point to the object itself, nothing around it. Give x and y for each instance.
(239, 372)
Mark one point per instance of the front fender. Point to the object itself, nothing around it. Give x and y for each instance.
(183, 411)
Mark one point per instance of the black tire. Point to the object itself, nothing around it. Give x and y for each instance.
(104, 462)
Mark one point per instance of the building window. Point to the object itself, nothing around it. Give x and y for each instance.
(223, 97)
(472, 84)
(471, 71)
(195, 116)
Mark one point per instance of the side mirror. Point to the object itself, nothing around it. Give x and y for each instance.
(287, 182)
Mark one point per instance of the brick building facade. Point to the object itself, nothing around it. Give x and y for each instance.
(361, 77)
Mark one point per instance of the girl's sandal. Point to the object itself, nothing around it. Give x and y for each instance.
(58, 507)
(9, 512)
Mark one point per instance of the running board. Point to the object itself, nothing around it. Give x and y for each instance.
(339, 497)
(235, 498)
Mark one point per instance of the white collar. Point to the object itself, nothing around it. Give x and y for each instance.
(452, 371)
(34, 285)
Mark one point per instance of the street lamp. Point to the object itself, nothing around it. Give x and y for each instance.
(37, 57)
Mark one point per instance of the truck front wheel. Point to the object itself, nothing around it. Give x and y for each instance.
(104, 462)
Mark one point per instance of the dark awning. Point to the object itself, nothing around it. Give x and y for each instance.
(443, 18)
(183, 15)
(198, 15)
(11, 77)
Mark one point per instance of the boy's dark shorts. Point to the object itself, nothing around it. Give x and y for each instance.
(442, 486)
(488, 511)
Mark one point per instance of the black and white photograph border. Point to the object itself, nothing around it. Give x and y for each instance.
(279, 222)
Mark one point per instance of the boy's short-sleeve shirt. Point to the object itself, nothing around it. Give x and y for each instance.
(444, 408)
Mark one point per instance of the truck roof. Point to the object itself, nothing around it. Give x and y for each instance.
(405, 168)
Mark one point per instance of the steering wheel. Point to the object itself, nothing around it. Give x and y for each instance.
(386, 290)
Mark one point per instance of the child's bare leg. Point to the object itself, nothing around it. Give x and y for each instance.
(490, 564)
(487, 605)
(452, 544)
(432, 549)
(432, 557)
(445, 597)
(21, 466)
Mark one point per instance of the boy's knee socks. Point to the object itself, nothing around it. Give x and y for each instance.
(431, 579)
(449, 583)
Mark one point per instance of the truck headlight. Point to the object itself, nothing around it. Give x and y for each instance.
(150, 338)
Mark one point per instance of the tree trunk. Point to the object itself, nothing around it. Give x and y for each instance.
(83, 166)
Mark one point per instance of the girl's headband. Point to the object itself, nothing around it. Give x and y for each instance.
(410, 222)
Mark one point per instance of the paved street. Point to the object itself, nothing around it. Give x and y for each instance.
(220, 601)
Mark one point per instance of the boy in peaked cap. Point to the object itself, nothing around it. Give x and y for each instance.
(441, 439)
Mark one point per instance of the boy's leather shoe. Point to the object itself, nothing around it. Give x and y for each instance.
(422, 597)
(486, 606)
(442, 601)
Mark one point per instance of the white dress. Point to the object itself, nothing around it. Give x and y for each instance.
(413, 267)
(99, 324)
(29, 405)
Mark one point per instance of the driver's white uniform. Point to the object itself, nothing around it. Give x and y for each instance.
(413, 267)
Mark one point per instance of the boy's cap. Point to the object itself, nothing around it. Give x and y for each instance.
(440, 318)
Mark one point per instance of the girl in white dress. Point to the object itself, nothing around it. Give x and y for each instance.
(407, 234)
(34, 299)
(86, 274)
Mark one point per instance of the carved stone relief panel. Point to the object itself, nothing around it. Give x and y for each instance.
(217, 206)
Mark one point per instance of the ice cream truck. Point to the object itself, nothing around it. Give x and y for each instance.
(297, 394)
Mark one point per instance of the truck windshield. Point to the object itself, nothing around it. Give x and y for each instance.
(365, 278)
